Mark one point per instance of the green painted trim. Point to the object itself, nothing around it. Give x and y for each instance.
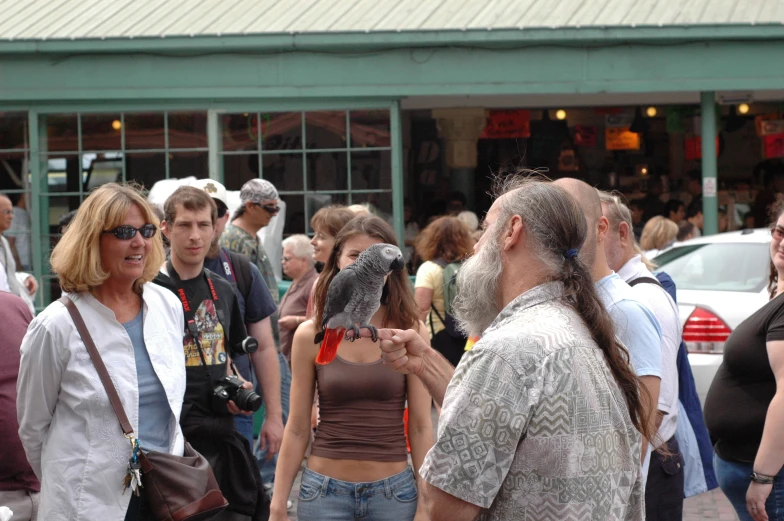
(319, 80)
(393, 39)
(214, 146)
(174, 104)
(396, 134)
(710, 204)
(35, 187)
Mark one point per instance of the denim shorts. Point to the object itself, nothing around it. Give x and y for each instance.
(328, 499)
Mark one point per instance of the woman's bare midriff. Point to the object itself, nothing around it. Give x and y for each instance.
(355, 471)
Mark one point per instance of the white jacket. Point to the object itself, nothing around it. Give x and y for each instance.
(69, 431)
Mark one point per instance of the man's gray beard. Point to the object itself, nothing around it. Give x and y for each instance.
(476, 305)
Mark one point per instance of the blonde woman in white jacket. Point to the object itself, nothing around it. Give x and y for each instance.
(105, 262)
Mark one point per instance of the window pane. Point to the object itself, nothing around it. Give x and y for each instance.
(381, 203)
(101, 132)
(144, 131)
(327, 171)
(55, 291)
(145, 168)
(11, 166)
(184, 164)
(99, 169)
(62, 133)
(370, 128)
(295, 214)
(187, 130)
(61, 172)
(317, 201)
(58, 207)
(281, 131)
(13, 130)
(371, 170)
(284, 171)
(325, 130)
(238, 170)
(240, 131)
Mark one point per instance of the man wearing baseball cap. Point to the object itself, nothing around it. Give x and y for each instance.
(257, 308)
(259, 199)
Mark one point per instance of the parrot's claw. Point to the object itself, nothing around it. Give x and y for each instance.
(354, 329)
(373, 331)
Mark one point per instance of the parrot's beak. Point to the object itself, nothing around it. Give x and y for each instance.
(398, 264)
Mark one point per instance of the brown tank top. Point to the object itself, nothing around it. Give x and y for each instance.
(361, 412)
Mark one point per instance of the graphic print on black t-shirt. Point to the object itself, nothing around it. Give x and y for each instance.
(211, 335)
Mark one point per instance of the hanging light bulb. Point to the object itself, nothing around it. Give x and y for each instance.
(743, 108)
(651, 112)
(560, 114)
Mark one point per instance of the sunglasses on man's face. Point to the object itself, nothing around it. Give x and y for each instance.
(222, 210)
(270, 209)
(126, 232)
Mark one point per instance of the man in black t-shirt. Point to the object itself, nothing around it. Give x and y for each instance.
(214, 333)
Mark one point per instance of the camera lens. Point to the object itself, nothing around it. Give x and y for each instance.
(247, 400)
(249, 345)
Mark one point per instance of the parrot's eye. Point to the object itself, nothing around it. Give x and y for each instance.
(389, 251)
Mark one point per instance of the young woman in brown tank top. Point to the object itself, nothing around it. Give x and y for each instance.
(358, 463)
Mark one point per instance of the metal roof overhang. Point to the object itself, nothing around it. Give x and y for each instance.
(393, 65)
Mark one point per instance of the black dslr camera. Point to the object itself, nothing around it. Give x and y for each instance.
(230, 388)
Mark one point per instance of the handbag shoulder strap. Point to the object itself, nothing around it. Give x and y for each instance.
(114, 398)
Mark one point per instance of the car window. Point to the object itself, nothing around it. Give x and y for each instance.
(718, 266)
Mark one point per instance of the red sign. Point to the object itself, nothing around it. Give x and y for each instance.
(506, 124)
(694, 148)
(774, 145)
(584, 136)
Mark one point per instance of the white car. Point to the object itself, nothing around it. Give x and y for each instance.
(721, 280)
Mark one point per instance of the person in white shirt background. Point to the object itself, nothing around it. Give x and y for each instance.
(25, 285)
(72, 438)
(664, 486)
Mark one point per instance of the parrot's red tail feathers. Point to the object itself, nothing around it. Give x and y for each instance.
(329, 346)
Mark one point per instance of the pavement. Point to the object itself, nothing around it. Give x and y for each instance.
(713, 506)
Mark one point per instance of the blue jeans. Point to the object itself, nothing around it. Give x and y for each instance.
(327, 499)
(267, 468)
(734, 481)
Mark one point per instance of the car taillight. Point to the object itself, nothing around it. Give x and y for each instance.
(705, 332)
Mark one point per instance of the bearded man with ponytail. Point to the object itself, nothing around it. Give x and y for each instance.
(543, 418)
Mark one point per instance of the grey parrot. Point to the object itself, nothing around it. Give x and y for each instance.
(353, 297)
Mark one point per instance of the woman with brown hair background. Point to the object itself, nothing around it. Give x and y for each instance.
(444, 241)
(358, 462)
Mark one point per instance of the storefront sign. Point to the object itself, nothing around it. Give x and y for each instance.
(507, 124)
(760, 120)
(621, 138)
(773, 145)
(694, 148)
(774, 126)
(585, 136)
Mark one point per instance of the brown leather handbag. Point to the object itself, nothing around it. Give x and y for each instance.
(177, 488)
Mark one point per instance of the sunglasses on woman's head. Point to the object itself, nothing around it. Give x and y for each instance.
(126, 232)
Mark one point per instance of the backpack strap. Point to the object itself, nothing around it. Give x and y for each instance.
(441, 262)
(240, 266)
(644, 280)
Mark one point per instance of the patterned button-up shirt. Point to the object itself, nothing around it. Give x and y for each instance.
(238, 240)
(534, 425)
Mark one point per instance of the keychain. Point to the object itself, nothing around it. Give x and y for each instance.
(133, 477)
